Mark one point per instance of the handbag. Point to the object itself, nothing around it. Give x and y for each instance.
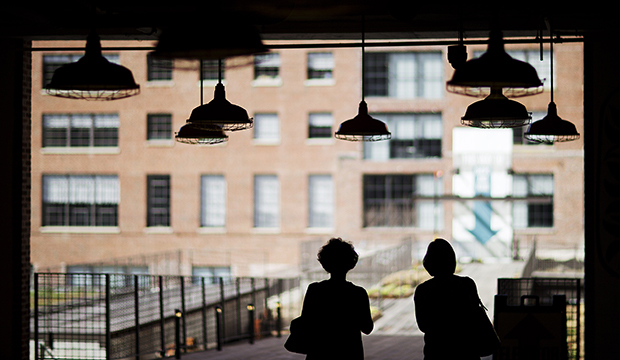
(486, 341)
(299, 340)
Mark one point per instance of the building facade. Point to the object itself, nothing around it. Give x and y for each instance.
(112, 190)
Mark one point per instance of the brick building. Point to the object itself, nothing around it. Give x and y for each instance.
(113, 191)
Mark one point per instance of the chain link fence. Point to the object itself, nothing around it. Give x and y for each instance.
(120, 316)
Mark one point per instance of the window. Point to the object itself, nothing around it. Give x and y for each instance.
(210, 70)
(159, 126)
(211, 274)
(267, 66)
(80, 130)
(266, 127)
(389, 201)
(158, 69)
(80, 200)
(158, 200)
(404, 75)
(320, 65)
(518, 133)
(54, 61)
(213, 201)
(266, 201)
(120, 276)
(320, 201)
(529, 214)
(413, 136)
(320, 125)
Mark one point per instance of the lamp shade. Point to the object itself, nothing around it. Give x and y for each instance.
(552, 128)
(496, 111)
(363, 127)
(93, 77)
(209, 42)
(189, 134)
(495, 69)
(220, 113)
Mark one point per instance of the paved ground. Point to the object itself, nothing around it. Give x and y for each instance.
(396, 335)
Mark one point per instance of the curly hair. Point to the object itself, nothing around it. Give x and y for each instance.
(337, 255)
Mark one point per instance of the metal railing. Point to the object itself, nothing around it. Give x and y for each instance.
(119, 316)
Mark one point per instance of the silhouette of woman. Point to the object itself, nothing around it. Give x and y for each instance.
(336, 309)
(444, 306)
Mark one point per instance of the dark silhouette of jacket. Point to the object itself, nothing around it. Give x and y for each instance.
(338, 312)
(444, 309)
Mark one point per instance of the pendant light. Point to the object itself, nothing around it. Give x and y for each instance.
(189, 134)
(219, 112)
(496, 111)
(495, 69)
(551, 128)
(93, 77)
(363, 127)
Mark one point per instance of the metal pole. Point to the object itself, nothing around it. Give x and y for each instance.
(218, 325)
(137, 315)
(162, 321)
(36, 316)
(251, 322)
(578, 319)
(238, 298)
(183, 323)
(221, 311)
(204, 313)
(108, 317)
(177, 333)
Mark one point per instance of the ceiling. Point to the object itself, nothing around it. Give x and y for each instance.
(297, 19)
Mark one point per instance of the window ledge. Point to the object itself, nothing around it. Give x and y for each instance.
(320, 141)
(160, 83)
(160, 143)
(266, 230)
(80, 229)
(535, 230)
(266, 142)
(267, 82)
(211, 230)
(158, 230)
(90, 150)
(320, 82)
(317, 230)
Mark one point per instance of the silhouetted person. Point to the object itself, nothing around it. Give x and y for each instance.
(338, 310)
(444, 306)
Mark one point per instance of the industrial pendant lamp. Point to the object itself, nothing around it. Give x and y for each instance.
(551, 128)
(211, 41)
(93, 77)
(219, 113)
(363, 127)
(495, 69)
(189, 134)
(496, 111)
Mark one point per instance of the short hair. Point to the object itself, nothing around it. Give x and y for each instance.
(440, 258)
(337, 255)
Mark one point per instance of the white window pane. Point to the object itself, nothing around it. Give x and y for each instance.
(321, 119)
(266, 127)
(268, 60)
(426, 214)
(519, 186)
(427, 185)
(55, 189)
(81, 121)
(519, 215)
(321, 201)
(213, 201)
(107, 189)
(541, 185)
(106, 121)
(402, 71)
(432, 127)
(81, 189)
(377, 150)
(320, 61)
(266, 201)
(432, 75)
(55, 121)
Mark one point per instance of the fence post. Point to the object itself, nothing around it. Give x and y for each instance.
(108, 322)
(184, 324)
(218, 326)
(162, 319)
(238, 300)
(204, 313)
(221, 311)
(36, 316)
(177, 333)
(137, 315)
(279, 319)
(251, 322)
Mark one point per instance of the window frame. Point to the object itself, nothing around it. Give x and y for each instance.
(321, 210)
(531, 208)
(209, 206)
(158, 212)
(159, 69)
(267, 209)
(153, 129)
(96, 137)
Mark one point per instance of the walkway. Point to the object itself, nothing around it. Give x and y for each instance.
(396, 335)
